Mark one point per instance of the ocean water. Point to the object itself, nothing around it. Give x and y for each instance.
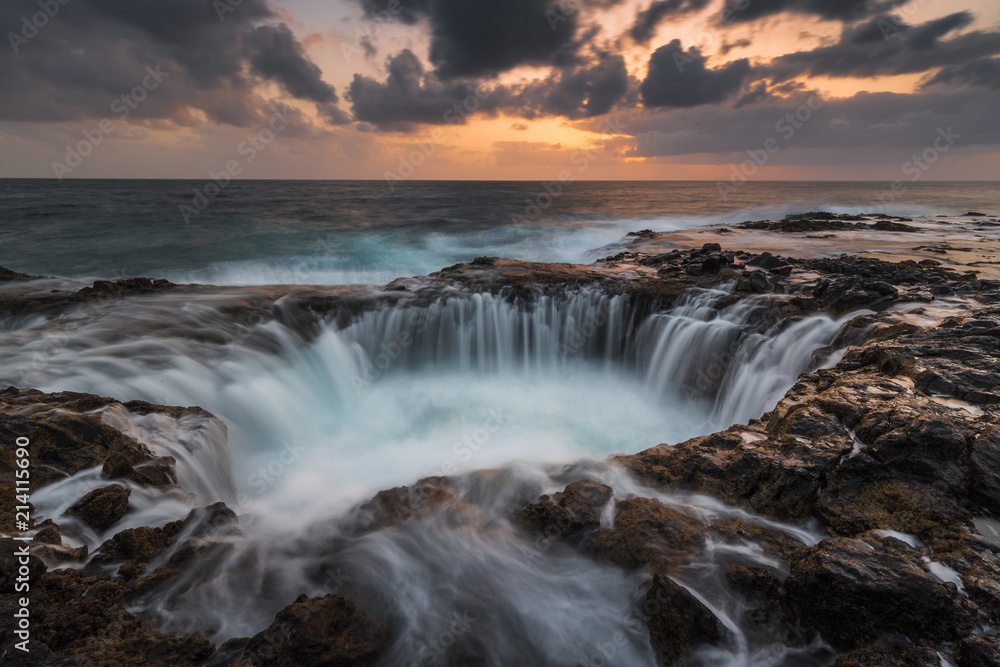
(325, 232)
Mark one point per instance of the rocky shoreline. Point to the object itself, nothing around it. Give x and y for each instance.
(895, 451)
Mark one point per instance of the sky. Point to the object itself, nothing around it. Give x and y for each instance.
(541, 90)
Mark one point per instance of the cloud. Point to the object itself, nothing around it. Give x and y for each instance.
(841, 10)
(410, 96)
(887, 46)
(472, 38)
(984, 72)
(649, 19)
(877, 121)
(679, 78)
(93, 51)
(578, 92)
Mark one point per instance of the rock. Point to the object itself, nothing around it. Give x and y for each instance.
(757, 282)
(647, 532)
(136, 464)
(54, 556)
(891, 652)
(395, 506)
(853, 594)
(979, 651)
(79, 619)
(10, 564)
(579, 508)
(317, 631)
(48, 535)
(102, 508)
(585, 500)
(985, 473)
(711, 247)
(677, 621)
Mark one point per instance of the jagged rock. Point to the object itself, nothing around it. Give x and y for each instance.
(394, 506)
(647, 532)
(10, 564)
(579, 507)
(48, 535)
(677, 621)
(979, 651)
(317, 631)
(891, 652)
(79, 619)
(102, 508)
(853, 594)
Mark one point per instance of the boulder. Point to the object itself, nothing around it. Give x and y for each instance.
(102, 508)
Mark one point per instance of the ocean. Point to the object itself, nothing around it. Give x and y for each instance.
(344, 232)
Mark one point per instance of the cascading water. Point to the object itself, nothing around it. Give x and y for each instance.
(468, 382)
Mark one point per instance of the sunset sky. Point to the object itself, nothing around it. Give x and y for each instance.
(625, 89)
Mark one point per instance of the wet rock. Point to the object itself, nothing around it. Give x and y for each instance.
(317, 631)
(11, 555)
(102, 508)
(395, 506)
(647, 532)
(135, 547)
(48, 535)
(579, 507)
(79, 619)
(853, 594)
(890, 652)
(980, 651)
(757, 282)
(678, 623)
(985, 473)
(55, 556)
(138, 465)
(585, 500)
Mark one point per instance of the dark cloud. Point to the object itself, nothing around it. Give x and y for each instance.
(842, 10)
(985, 72)
(887, 46)
(649, 19)
(582, 92)
(679, 78)
(878, 121)
(410, 97)
(478, 37)
(93, 51)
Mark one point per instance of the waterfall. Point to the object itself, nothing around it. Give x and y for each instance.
(522, 388)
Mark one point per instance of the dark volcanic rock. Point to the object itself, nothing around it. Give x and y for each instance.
(102, 508)
(891, 652)
(677, 621)
(982, 651)
(648, 532)
(317, 631)
(78, 619)
(579, 507)
(853, 594)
